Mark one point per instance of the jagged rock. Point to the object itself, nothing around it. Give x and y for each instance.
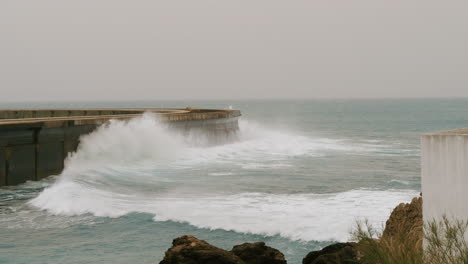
(406, 219)
(258, 253)
(190, 250)
(340, 253)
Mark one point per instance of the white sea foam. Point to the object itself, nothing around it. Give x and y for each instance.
(259, 166)
(221, 173)
(139, 139)
(125, 166)
(321, 217)
(400, 182)
(257, 143)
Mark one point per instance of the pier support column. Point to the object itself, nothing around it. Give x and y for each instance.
(20, 165)
(2, 167)
(50, 152)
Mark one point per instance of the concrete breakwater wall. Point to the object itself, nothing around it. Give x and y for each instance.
(444, 164)
(35, 143)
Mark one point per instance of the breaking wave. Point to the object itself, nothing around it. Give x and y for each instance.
(142, 166)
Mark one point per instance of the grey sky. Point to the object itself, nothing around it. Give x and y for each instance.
(200, 49)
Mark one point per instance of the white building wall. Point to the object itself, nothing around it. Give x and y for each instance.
(444, 163)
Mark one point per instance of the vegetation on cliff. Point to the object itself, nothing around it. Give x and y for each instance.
(402, 239)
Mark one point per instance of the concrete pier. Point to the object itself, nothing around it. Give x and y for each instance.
(444, 163)
(34, 143)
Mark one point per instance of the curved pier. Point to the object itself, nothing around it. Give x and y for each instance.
(35, 142)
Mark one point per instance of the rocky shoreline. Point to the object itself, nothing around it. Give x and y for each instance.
(406, 218)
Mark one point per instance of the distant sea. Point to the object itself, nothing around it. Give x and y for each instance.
(299, 176)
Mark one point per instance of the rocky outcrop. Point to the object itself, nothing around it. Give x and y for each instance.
(258, 253)
(340, 253)
(190, 250)
(405, 220)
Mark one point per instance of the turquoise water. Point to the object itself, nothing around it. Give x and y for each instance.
(300, 175)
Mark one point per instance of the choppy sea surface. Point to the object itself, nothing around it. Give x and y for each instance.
(298, 177)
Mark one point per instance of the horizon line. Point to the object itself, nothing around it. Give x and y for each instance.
(231, 99)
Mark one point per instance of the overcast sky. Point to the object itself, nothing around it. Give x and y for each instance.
(209, 49)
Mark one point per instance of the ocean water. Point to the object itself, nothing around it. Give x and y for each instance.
(298, 177)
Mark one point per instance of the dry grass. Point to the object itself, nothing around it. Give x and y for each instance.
(444, 241)
(400, 249)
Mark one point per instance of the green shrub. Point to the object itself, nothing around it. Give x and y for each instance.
(444, 244)
(400, 249)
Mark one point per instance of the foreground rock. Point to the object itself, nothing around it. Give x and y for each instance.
(406, 219)
(258, 253)
(190, 250)
(340, 253)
